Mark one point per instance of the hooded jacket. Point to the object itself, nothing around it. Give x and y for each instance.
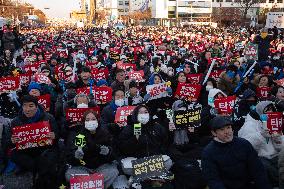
(212, 93)
(152, 141)
(251, 131)
(227, 87)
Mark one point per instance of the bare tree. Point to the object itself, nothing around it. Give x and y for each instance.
(246, 5)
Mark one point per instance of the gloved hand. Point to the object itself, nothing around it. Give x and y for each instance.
(79, 154)
(104, 150)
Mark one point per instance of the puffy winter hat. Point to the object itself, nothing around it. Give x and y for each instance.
(34, 85)
(101, 82)
(261, 106)
(219, 122)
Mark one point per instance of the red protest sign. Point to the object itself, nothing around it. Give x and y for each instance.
(44, 100)
(225, 105)
(92, 65)
(76, 114)
(194, 78)
(99, 74)
(275, 122)
(122, 113)
(102, 94)
(263, 92)
(41, 78)
(31, 67)
(32, 135)
(136, 75)
(215, 74)
(188, 91)
(25, 79)
(94, 181)
(124, 66)
(9, 84)
(157, 91)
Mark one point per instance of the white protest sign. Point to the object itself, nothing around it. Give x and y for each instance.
(275, 19)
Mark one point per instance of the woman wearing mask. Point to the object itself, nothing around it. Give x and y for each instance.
(108, 113)
(89, 150)
(203, 97)
(151, 140)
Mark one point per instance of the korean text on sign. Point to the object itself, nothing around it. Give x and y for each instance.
(188, 91)
(94, 181)
(225, 105)
(32, 135)
(157, 90)
(122, 113)
(275, 122)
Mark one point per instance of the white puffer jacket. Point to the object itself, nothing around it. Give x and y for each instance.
(265, 147)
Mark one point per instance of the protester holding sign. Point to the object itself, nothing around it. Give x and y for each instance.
(230, 162)
(266, 142)
(32, 159)
(228, 80)
(93, 152)
(108, 113)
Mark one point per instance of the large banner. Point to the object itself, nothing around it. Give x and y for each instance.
(32, 135)
(275, 19)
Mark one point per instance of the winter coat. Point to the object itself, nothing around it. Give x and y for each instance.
(92, 156)
(233, 165)
(21, 119)
(225, 86)
(8, 41)
(152, 141)
(250, 131)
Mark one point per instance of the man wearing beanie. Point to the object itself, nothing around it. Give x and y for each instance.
(34, 89)
(267, 145)
(32, 159)
(230, 162)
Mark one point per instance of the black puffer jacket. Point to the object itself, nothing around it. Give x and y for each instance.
(92, 158)
(152, 141)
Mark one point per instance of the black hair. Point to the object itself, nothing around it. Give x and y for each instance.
(114, 91)
(29, 98)
(136, 111)
(119, 71)
(86, 69)
(275, 89)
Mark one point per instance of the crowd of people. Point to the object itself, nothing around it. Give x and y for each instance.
(235, 149)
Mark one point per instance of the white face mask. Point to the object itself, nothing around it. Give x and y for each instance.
(143, 118)
(91, 125)
(82, 105)
(208, 87)
(119, 102)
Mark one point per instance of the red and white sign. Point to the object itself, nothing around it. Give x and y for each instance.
(157, 91)
(31, 67)
(44, 100)
(9, 84)
(76, 114)
(216, 74)
(195, 78)
(136, 75)
(124, 66)
(188, 91)
(25, 79)
(280, 82)
(32, 135)
(275, 121)
(41, 78)
(94, 181)
(99, 74)
(102, 94)
(122, 113)
(262, 92)
(225, 105)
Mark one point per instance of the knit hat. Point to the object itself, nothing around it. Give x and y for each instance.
(261, 106)
(34, 85)
(101, 82)
(219, 122)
